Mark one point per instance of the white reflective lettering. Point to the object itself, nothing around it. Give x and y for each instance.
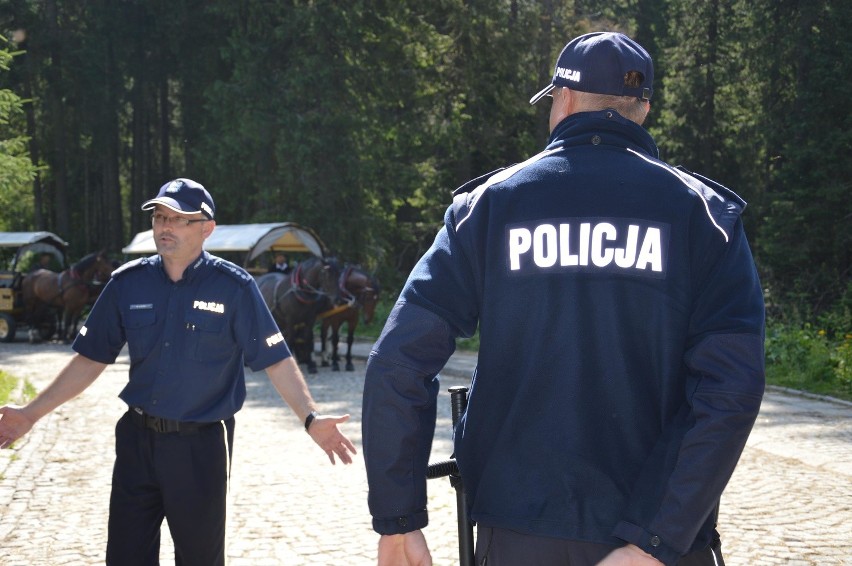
(566, 257)
(624, 257)
(520, 242)
(545, 250)
(651, 251)
(210, 307)
(602, 256)
(605, 244)
(276, 338)
(585, 228)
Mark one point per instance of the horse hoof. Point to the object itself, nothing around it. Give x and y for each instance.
(350, 367)
(335, 367)
(312, 369)
(324, 364)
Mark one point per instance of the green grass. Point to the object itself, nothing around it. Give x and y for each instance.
(13, 390)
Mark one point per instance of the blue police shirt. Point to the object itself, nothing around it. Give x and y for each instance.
(188, 340)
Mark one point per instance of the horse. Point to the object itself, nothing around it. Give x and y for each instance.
(296, 299)
(357, 291)
(67, 292)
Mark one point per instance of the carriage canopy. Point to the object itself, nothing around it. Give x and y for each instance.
(247, 240)
(19, 248)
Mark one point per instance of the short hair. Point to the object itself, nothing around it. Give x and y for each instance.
(632, 108)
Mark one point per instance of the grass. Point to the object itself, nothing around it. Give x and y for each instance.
(15, 390)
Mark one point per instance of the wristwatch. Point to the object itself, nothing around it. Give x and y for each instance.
(309, 419)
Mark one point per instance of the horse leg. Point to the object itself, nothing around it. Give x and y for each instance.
(350, 338)
(64, 325)
(303, 346)
(309, 348)
(33, 319)
(69, 325)
(323, 338)
(335, 339)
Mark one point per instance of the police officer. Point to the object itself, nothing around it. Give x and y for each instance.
(191, 321)
(621, 323)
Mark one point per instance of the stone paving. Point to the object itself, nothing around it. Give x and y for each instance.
(789, 502)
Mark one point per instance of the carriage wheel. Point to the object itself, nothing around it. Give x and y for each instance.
(7, 328)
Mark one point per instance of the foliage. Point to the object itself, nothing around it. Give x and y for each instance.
(359, 118)
(16, 169)
(806, 237)
(14, 390)
(810, 358)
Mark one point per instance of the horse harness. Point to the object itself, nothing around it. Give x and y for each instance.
(300, 287)
(76, 281)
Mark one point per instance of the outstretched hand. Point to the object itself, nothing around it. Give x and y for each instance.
(14, 424)
(325, 433)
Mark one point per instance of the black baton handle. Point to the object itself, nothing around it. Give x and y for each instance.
(458, 403)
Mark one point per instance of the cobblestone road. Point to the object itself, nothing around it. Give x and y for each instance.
(789, 502)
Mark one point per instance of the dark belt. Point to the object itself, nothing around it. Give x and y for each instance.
(159, 424)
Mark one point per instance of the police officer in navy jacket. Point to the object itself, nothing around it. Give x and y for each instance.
(191, 321)
(621, 326)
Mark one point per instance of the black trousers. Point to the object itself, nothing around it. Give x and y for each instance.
(504, 547)
(180, 476)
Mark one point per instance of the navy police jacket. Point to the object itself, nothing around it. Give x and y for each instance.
(621, 362)
(187, 340)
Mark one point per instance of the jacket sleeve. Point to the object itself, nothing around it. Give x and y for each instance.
(437, 304)
(399, 410)
(698, 451)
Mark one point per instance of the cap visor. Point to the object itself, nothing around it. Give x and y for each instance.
(170, 203)
(542, 93)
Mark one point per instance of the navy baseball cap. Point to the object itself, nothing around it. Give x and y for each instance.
(184, 196)
(598, 63)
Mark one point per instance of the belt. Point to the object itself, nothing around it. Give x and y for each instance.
(159, 424)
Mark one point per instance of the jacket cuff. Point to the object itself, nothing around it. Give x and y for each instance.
(401, 525)
(649, 542)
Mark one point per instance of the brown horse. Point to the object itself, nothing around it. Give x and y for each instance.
(297, 298)
(46, 291)
(358, 291)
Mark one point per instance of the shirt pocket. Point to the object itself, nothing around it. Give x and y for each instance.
(139, 329)
(208, 338)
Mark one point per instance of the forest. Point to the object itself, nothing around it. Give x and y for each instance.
(358, 118)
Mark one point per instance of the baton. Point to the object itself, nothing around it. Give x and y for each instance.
(458, 402)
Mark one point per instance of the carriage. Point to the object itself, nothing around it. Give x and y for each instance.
(21, 253)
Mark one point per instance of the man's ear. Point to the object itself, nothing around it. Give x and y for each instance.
(208, 227)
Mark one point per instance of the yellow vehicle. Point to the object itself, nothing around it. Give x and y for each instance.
(21, 253)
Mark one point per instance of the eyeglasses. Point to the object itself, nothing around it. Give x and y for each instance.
(158, 219)
(554, 91)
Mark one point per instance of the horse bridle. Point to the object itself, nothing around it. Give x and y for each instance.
(304, 292)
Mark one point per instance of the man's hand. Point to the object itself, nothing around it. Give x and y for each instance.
(629, 555)
(14, 424)
(325, 433)
(409, 549)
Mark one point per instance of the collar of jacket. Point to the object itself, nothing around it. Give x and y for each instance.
(603, 127)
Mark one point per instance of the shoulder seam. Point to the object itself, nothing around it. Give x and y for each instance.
(501, 176)
(678, 175)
